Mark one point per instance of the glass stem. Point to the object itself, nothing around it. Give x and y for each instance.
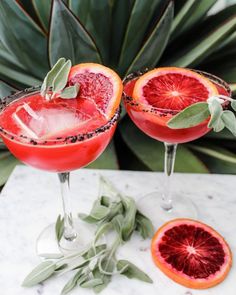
(69, 231)
(170, 152)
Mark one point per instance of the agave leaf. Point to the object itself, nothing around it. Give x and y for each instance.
(13, 74)
(152, 49)
(224, 135)
(107, 160)
(140, 18)
(227, 48)
(120, 17)
(76, 44)
(190, 14)
(7, 58)
(24, 47)
(199, 50)
(7, 164)
(80, 8)
(215, 163)
(233, 88)
(42, 9)
(6, 89)
(151, 152)
(215, 152)
(91, 14)
(226, 70)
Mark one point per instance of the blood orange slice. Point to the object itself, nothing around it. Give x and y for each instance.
(173, 88)
(191, 253)
(98, 84)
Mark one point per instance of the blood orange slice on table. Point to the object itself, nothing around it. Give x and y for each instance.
(98, 84)
(191, 253)
(173, 88)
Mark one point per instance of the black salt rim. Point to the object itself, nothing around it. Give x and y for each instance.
(4, 102)
(149, 109)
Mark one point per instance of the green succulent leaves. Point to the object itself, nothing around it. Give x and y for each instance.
(56, 80)
(201, 111)
(94, 267)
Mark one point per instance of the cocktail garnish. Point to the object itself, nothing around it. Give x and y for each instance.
(114, 215)
(199, 112)
(54, 84)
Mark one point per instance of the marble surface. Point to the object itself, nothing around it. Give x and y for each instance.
(30, 201)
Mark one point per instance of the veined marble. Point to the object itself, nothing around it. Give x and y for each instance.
(30, 201)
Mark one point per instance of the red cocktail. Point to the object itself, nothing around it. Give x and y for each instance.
(62, 126)
(153, 120)
(152, 99)
(63, 135)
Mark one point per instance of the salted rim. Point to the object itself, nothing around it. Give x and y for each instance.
(150, 109)
(4, 102)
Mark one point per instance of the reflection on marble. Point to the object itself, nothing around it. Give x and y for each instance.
(30, 201)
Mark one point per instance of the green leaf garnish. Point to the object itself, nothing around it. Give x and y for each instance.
(94, 267)
(212, 109)
(40, 273)
(229, 121)
(132, 271)
(190, 116)
(54, 84)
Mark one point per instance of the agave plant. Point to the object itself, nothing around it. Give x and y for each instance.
(126, 35)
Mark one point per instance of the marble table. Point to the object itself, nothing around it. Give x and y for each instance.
(29, 202)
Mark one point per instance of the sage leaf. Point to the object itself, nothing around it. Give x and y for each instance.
(105, 280)
(101, 230)
(91, 283)
(229, 120)
(94, 251)
(190, 116)
(70, 92)
(71, 284)
(144, 226)
(105, 201)
(132, 271)
(98, 212)
(129, 219)
(51, 255)
(216, 111)
(233, 104)
(117, 223)
(61, 78)
(39, 274)
(59, 228)
(87, 218)
(47, 82)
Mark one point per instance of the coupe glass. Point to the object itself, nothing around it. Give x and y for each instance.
(153, 122)
(61, 155)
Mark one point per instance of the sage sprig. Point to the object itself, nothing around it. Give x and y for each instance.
(201, 111)
(94, 267)
(54, 84)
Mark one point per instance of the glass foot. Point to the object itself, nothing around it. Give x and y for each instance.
(182, 207)
(47, 242)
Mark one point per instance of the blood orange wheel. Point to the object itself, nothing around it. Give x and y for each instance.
(191, 253)
(173, 88)
(98, 84)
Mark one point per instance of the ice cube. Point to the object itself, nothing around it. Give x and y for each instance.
(49, 123)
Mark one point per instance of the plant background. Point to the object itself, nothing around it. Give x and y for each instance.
(126, 35)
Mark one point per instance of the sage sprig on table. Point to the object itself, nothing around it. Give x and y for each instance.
(94, 267)
(199, 112)
(54, 84)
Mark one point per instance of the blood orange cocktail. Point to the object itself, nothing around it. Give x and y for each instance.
(153, 120)
(151, 99)
(57, 135)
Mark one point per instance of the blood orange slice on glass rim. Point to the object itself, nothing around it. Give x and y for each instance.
(99, 84)
(172, 88)
(191, 253)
